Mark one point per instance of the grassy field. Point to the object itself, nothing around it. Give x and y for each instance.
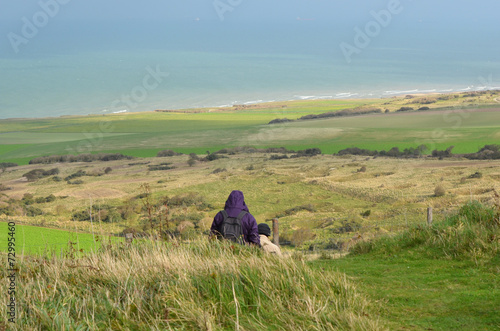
(326, 204)
(465, 122)
(33, 240)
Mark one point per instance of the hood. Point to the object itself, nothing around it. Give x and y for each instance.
(236, 200)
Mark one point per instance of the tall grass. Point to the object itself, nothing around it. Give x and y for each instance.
(473, 233)
(203, 285)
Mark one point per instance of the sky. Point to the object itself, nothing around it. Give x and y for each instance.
(75, 21)
(458, 12)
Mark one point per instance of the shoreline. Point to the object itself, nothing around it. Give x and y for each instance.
(261, 104)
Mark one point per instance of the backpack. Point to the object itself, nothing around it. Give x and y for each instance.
(231, 228)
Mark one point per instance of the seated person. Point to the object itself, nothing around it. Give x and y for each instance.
(234, 210)
(265, 243)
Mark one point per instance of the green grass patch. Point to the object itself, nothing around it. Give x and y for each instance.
(441, 277)
(34, 240)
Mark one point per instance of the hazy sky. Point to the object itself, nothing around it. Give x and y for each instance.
(458, 12)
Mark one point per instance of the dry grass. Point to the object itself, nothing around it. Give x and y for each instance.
(204, 285)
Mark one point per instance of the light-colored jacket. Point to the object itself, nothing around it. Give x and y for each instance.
(268, 246)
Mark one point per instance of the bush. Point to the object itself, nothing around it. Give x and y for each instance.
(36, 174)
(439, 191)
(4, 188)
(108, 170)
(404, 109)
(488, 152)
(79, 173)
(366, 213)
(442, 154)
(33, 211)
(219, 170)
(278, 157)
(477, 174)
(159, 167)
(300, 236)
(347, 226)
(280, 120)
(167, 153)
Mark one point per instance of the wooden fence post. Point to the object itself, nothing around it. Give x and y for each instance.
(276, 234)
(429, 216)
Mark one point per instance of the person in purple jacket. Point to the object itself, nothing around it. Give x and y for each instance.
(235, 204)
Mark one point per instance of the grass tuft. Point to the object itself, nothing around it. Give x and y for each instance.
(473, 233)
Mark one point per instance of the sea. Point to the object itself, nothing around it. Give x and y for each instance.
(71, 68)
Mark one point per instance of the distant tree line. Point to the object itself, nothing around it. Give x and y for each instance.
(80, 158)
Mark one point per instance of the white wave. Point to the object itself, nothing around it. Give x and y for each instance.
(253, 102)
(466, 89)
(401, 92)
(120, 111)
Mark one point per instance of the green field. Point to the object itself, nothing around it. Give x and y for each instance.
(34, 240)
(464, 123)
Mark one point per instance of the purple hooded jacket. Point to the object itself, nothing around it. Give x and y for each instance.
(234, 205)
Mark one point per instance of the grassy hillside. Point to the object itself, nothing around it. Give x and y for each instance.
(198, 286)
(321, 202)
(461, 120)
(442, 277)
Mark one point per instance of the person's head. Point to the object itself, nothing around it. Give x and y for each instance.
(264, 229)
(236, 200)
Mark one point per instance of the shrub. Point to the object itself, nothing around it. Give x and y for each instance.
(439, 191)
(159, 167)
(280, 120)
(219, 170)
(108, 170)
(477, 174)
(278, 157)
(405, 109)
(347, 226)
(362, 169)
(300, 236)
(79, 173)
(4, 188)
(167, 153)
(366, 213)
(33, 211)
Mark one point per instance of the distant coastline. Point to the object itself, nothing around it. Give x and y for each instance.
(262, 104)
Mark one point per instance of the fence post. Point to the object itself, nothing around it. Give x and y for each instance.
(276, 234)
(429, 216)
